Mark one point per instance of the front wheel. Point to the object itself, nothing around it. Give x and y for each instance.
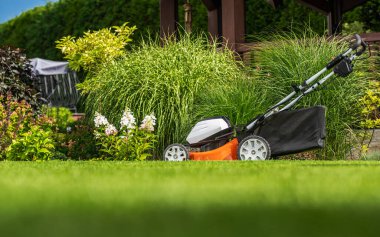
(176, 152)
(254, 148)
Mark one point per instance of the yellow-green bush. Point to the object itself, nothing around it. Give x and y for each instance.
(95, 48)
(370, 104)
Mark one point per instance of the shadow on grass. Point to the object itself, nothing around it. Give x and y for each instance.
(163, 221)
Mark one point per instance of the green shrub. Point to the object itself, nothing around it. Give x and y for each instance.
(16, 76)
(79, 143)
(35, 144)
(25, 135)
(62, 118)
(15, 118)
(164, 80)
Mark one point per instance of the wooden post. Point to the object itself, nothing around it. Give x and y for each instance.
(334, 17)
(214, 14)
(233, 22)
(188, 16)
(214, 24)
(168, 18)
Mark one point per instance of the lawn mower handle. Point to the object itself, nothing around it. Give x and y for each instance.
(359, 42)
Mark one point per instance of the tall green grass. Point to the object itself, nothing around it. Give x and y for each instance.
(164, 80)
(240, 100)
(288, 60)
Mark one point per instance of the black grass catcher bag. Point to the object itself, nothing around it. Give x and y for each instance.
(293, 131)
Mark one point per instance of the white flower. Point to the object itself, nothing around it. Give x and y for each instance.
(128, 120)
(100, 120)
(110, 130)
(125, 138)
(148, 123)
(97, 134)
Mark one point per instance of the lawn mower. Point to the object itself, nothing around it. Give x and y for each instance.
(279, 131)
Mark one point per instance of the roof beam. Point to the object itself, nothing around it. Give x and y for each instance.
(349, 5)
(210, 4)
(371, 37)
(320, 6)
(275, 3)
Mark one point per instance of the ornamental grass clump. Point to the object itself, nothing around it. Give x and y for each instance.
(166, 80)
(287, 60)
(129, 142)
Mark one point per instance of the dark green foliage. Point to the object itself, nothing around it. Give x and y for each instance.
(16, 76)
(370, 15)
(38, 29)
(261, 17)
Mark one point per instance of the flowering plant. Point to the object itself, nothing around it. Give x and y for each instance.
(22, 130)
(369, 105)
(130, 142)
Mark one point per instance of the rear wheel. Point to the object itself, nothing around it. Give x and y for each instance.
(254, 148)
(176, 152)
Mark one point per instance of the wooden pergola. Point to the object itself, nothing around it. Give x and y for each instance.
(226, 18)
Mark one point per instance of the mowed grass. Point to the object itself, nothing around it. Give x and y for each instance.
(271, 198)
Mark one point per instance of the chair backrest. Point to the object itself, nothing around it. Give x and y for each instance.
(60, 90)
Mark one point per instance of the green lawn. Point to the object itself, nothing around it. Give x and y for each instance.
(271, 198)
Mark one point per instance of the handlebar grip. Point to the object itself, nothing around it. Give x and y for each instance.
(334, 62)
(357, 43)
(363, 49)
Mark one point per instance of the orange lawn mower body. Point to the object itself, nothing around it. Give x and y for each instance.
(225, 152)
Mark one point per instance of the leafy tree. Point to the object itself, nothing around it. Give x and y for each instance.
(38, 29)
